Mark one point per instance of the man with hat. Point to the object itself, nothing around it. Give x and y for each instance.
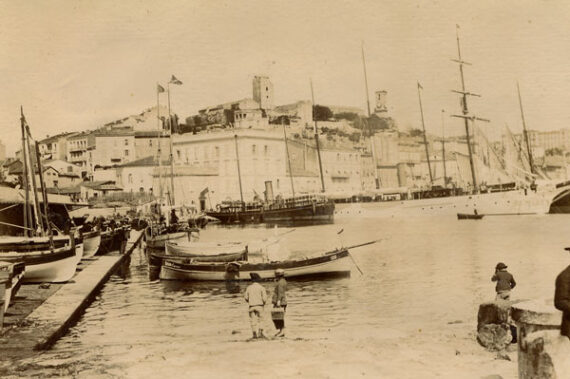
(562, 299)
(256, 297)
(505, 282)
(279, 300)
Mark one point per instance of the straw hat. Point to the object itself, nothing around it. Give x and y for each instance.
(279, 272)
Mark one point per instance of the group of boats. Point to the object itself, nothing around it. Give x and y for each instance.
(38, 241)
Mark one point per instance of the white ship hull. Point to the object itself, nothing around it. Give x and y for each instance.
(91, 245)
(493, 204)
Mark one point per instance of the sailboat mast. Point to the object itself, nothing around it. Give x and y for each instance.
(465, 111)
(525, 133)
(37, 210)
(372, 148)
(159, 128)
(239, 172)
(27, 214)
(317, 139)
(45, 198)
(443, 148)
(288, 158)
(424, 134)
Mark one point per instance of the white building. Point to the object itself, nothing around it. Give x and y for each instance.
(113, 147)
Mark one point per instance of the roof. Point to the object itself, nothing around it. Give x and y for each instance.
(10, 195)
(187, 171)
(56, 137)
(96, 183)
(151, 133)
(144, 162)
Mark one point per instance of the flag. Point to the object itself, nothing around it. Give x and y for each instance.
(174, 80)
(420, 86)
(159, 88)
(340, 231)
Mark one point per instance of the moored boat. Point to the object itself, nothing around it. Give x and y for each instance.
(196, 249)
(158, 241)
(54, 266)
(334, 263)
(469, 216)
(91, 241)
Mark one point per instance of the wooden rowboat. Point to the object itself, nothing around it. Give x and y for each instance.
(199, 249)
(334, 263)
(469, 216)
(91, 242)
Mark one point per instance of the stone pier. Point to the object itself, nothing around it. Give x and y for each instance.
(542, 351)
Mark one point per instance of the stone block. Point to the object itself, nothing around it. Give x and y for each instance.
(496, 312)
(494, 337)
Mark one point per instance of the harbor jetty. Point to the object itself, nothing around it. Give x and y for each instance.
(44, 313)
(542, 352)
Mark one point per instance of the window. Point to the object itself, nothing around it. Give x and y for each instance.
(178, 155)
(277, 183)
(150, 142)
(126, 153)
(69, 169)
(130, 178)
(126, 142)
(253, 148)
(265, 150)
(55, 183)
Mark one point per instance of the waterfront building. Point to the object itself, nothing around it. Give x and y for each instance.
(147, 144)
(113, 147)
(56, 173)
(54, 147)
(80, 151)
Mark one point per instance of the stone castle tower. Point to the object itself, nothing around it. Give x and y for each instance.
(263, 92)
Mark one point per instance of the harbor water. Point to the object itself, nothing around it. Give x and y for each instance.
(411, 314)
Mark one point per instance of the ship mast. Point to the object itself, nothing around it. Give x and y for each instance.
(317, 139)
(28, 224)
(159, 89)
(424, 134)
(239, 173)
(465, 110)
(373, 149)
(443, 147)
(288, 158)
(525, 133)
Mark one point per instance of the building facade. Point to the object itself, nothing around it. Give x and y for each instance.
(263, 92)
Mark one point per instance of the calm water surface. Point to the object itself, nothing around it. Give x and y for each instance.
(428, 272)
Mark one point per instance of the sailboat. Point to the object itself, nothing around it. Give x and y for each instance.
(47, 258)
(158, 233)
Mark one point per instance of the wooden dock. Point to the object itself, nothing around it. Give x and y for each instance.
(55, 309)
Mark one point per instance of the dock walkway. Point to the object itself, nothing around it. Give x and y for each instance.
(51, 320)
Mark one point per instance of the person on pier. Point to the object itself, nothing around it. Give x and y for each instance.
(279, 301)
(505, 282)
(256, 297)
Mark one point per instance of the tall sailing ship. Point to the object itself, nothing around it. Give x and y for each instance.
(497, 185)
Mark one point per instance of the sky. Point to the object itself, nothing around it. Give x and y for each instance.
(76, 65)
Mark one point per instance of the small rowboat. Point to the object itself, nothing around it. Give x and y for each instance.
(158, 241)
(193, 249)
(11, 274)
(469, 216)
(334, 263)
(157, 259)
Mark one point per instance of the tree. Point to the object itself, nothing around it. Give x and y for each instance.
(321, 113)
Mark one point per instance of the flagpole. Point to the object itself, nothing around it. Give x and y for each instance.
(171, 194)
(425, 137)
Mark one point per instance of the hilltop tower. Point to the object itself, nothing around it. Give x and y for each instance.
(263, 92)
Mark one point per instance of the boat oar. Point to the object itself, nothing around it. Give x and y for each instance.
(356, 264)
(363, 244)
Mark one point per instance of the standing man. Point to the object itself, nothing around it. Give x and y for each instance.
(279, 299)
(505, 282)
(562, 299)
(256, 297)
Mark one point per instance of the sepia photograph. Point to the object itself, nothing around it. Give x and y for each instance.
(285, 189)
